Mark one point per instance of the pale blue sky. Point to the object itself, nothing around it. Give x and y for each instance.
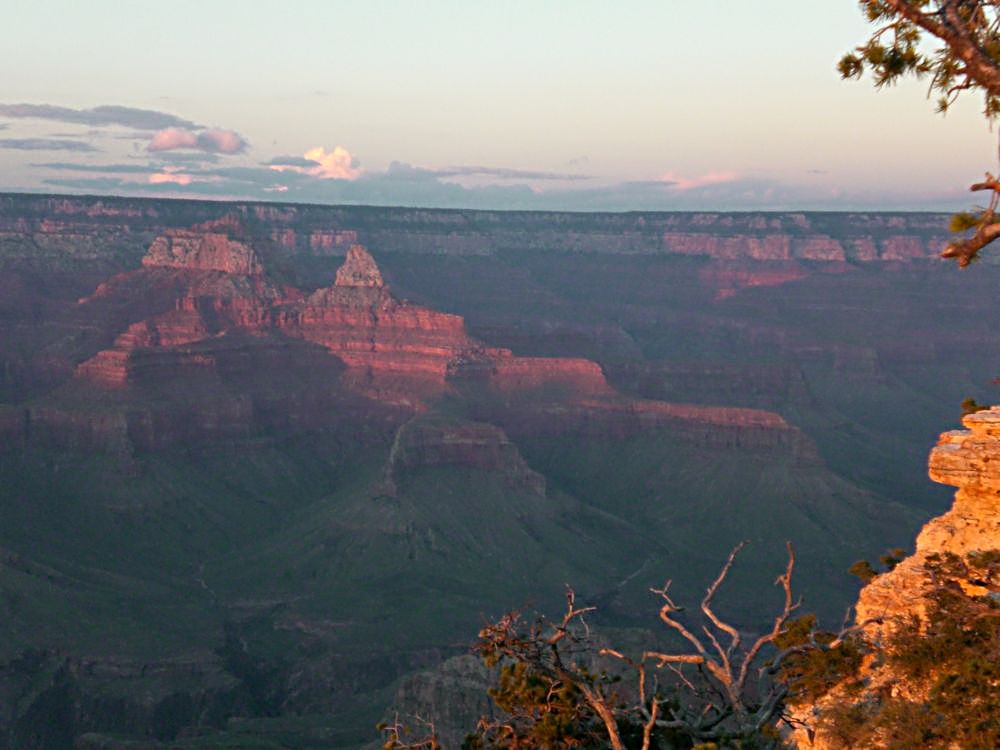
(587, 105)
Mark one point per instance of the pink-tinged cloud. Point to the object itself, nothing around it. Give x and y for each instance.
(217, 141)
(173, 138)
(212, 141)
(173, 178)
(705, 180)
(337, 164)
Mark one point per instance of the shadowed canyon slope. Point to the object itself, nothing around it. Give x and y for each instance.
(258, 462)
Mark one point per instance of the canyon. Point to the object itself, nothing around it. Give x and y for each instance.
(261, 464)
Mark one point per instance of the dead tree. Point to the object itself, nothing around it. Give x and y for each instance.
(718, 688)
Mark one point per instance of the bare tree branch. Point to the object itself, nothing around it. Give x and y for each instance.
(709, 699)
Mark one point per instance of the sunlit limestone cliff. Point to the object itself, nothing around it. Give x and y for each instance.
(968, 459)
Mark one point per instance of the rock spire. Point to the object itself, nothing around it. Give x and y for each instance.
(359, 269)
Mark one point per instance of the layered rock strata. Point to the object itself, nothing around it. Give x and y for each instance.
(78, 227)
(203, 311)
(225, 289)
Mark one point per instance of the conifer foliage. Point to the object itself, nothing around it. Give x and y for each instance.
(955, 45)
(932, 681)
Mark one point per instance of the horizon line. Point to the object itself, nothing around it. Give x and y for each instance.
(27, 193)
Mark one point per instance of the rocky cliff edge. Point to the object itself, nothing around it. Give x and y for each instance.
(968, 459)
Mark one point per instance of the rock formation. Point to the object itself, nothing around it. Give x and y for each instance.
(968, 459)
(359, 269)
(454, 694)
(68, 226)
(429, 442)
(203, 306)
(204, 248)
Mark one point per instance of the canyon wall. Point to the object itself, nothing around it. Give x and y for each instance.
(34, 226)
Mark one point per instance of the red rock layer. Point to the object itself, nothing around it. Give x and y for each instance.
(728, 278)
(359, 269)
(357, 319)
(397, 352)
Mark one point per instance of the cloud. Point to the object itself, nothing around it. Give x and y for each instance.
(97, 168)
(108, 114)
(187, 157)
(692, 183)
(218, 141)
(405, 185)
(504, 173)
(337, 164)
(175, 178)
(333, 165)
(291, 161)
(212, 140)
(401, 171)
(46, 144)
(308, 179)
(172, 138)
(401, 184)
(93, 184)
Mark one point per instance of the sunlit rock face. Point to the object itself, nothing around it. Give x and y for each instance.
(363, 324)
(221, 287)
(968, 459)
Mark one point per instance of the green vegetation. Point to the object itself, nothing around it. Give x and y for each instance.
(971, 406)
(945, 668)
(811, 672)
(866, 571)
(937, 684)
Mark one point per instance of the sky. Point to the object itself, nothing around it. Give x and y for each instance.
(625, 105)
